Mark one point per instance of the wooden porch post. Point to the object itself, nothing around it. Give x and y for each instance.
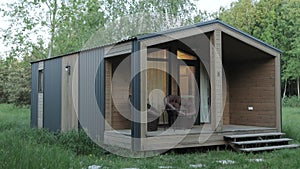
(216, 69)
(278, 93)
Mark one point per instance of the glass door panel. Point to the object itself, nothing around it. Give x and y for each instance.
(157, 81)
(187, 80)
(204, 96)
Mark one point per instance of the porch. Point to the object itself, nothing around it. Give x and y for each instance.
(168, 138)
(232, 81)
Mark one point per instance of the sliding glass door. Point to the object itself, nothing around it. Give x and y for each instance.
(157, 80)
(191, 80)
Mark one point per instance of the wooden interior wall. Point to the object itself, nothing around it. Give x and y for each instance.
(252, 83)
(120, 91)
(108, 88)
(69, 116)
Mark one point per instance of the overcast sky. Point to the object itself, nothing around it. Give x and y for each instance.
(208, 5)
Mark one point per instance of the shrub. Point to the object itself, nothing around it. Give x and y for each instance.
(292, 101)
(79, 142)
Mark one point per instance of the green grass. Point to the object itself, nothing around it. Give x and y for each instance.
(23, 147)
(290, 122)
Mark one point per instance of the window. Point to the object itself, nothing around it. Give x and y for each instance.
(157, 80)
(40, 81)
(184, 56)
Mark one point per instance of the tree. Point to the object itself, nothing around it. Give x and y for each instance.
(68, 25)
(22, 24)
(3, 81)
(241, 15)
(277, 23)
(79, 20)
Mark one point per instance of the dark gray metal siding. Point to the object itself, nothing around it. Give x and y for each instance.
(52, 94)
(100, 86)
(34, 95)
(136, 95)
(91, 92)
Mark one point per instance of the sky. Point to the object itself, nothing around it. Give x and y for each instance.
(208, 5)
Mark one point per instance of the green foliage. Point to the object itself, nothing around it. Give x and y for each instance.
(292, 101)
(79, 142)
(290, 122)
(3, 81)
(70, 25)
(17, 152)
(276, 22)
(78, 24)
(241, 15)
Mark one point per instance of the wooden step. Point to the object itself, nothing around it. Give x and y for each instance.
(262, 141)
(255, 149)
(253, 135)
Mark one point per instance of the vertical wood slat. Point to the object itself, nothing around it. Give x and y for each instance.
(108, 105)
(144, 93)
(278, 92)
(40, 110)
(69, 117)
(40, 100)
(216, 81)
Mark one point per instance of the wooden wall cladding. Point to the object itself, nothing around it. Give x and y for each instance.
(69, 112)
(252, 83)
(118, 112)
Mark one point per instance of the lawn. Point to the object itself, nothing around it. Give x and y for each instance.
(23, 147)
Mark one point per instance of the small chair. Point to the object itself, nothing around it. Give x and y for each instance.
(181, 112)
(187, 114)
(152, 118)
(172, 106)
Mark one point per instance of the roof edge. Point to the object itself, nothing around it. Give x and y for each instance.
(211, 22)
(84, 50)
(248, 35)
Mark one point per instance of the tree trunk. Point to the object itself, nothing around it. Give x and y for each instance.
(284, 91)
(53, 26)
(298, 87)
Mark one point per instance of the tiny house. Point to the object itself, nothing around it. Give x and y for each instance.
(231, 79)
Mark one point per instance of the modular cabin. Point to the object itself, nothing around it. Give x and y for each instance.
(206, 84)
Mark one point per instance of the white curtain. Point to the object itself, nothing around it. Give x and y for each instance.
(204, 96)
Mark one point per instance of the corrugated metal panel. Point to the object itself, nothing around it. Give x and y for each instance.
(119, 49)
(52, 94)
(34, 95)
(91, 95)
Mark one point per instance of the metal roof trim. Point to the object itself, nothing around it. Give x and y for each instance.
(248, 35)
(216, 21)
(84, 50)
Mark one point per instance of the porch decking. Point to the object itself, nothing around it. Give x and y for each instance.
(178, 138)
